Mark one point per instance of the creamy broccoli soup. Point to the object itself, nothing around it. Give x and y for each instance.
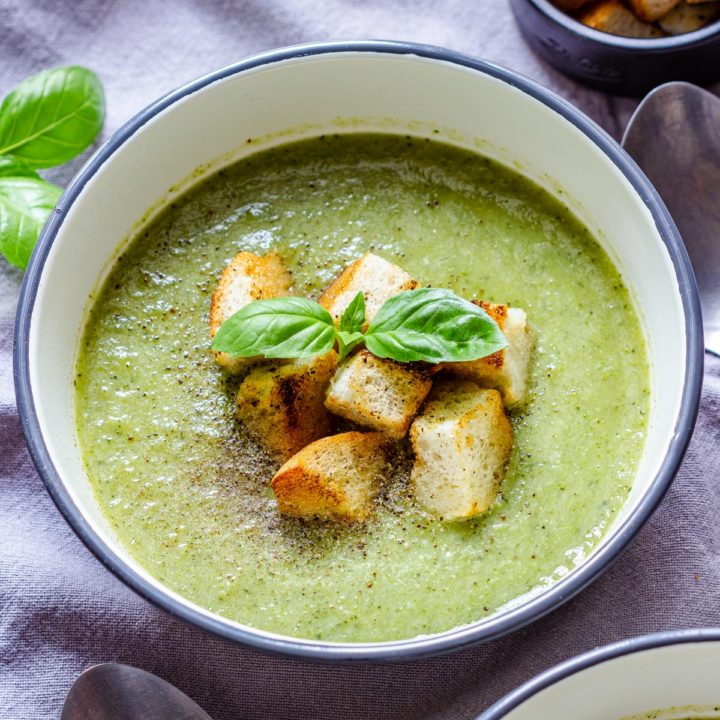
(188, 493)
(678, 714)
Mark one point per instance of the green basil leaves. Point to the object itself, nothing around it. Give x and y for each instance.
(289, 327)
(12, 167)
(46, 120)
(433, 325)
(25, 204)
(51, 117)
(429, 324)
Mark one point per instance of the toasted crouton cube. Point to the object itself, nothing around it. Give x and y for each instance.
(652, 10)
(505, 370)
(247, 278)
(281, 403)
(378, 279)
(380, 394)
(611, 16)
(687, 18)
(335, 478)
(462, 443)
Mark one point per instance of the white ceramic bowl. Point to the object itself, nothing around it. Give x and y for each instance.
(341, 88)
(674, 673)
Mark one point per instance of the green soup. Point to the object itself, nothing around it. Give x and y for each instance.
(188, 494)
(671, 714)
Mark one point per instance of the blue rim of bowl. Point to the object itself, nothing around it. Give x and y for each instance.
(657, 45)
(422, 646)
(595, 657)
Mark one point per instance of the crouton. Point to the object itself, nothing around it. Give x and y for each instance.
(652, 10)
(507, 369)
(378, 279)
(335, 478)
(380, 394)
(248, 277)
(611, 16)
(686, 18)
(462, 443)
(281, 403)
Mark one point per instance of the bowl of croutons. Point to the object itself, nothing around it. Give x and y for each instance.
(625, 47)
(333, 354)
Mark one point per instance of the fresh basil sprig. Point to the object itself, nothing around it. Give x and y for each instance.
(429, 324)
(48, 119)
(349, 334)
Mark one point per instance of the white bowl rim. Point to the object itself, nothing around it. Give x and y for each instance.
(422, 646)
(590, 659)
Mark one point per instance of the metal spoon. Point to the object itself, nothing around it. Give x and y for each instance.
(119, 692)
(674, 136)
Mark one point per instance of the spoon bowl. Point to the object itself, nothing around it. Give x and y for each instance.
(112, 691)
(674, 136)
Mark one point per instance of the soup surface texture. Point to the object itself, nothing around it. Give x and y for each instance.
(686, 712)
(672, 714)
(188, 494)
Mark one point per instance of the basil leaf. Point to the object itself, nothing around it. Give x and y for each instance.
(348, 341)
(10, 166)
(25, 204)
(433, 325)
(53, 116)
(353, 319)
(290, 327)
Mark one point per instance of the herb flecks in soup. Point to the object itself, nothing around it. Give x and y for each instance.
(187, 492)
(687, 712)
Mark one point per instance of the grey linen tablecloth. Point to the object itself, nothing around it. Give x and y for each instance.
(61, 611)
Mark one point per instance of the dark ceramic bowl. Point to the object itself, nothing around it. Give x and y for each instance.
(615, 64)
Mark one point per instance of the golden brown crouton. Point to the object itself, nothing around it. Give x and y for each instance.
(248, 277)
(687, 18)
(336, 477)
(378, 279)
(462, 443)
(652, 10)
(281, 403)
(505, 370)
(380, 394)
(611, 16)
